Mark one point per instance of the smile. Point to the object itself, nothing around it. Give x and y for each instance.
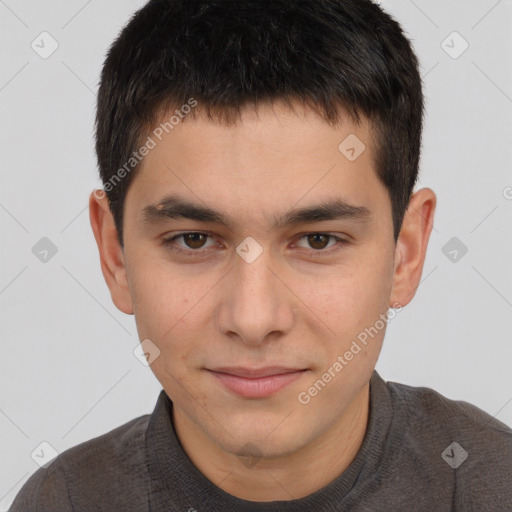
(252, 383)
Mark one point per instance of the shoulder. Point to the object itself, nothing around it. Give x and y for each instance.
(86, 473)
(456, 443)
(426, 405)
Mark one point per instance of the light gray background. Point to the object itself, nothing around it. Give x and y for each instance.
(67, 369)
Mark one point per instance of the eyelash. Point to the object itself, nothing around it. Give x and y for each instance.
(170, 243)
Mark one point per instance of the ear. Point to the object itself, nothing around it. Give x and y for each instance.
(411, 246)
(111, 253)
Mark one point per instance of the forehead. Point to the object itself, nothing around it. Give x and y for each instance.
(281, 126)
(272, 157)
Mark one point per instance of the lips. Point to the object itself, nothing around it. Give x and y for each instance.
(256, 382)
(255, 373)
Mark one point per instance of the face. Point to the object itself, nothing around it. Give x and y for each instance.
(264, 278)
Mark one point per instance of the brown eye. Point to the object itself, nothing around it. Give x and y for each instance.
(321, 243)
(189, 243)
(318, 240)
(194, 240)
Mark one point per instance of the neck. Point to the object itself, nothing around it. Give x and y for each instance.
(290, 476)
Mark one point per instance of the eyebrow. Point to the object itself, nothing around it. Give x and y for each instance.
(174, 207)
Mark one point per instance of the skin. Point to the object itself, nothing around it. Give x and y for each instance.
(294, 306)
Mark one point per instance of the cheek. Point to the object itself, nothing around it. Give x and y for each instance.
(161, 296)
(173, 309)
(352, 300)
(159, 301)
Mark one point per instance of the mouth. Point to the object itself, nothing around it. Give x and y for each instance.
(256, 382)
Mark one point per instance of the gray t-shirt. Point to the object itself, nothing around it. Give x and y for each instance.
(421, 452)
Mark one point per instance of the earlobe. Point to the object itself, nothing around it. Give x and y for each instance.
(411, 247)
(110, 251)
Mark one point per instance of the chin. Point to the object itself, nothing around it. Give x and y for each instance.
(264, 442)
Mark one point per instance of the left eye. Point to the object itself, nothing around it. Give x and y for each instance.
(320, 241)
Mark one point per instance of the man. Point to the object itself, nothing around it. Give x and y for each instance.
(258, 219)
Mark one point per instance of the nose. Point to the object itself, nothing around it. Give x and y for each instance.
(255, 305)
